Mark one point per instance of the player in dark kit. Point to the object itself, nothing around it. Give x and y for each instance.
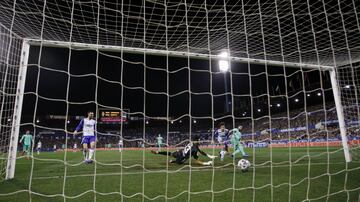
(190, 150)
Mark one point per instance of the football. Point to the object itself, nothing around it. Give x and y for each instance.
(244, 164)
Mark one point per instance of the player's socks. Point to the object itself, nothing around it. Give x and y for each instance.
(222, 155)
(85, 154)
(91, 153)
(209, 163)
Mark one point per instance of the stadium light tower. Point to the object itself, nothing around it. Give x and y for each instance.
(224, 67)
(224, 61)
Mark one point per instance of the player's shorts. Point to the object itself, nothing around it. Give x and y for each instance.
(26, 147)
(222, 140)
(88, 139)
(180, 158)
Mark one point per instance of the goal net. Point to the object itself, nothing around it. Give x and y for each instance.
(156, 74)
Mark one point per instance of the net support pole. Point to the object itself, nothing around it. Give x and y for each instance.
(340, 115)
(15, 130)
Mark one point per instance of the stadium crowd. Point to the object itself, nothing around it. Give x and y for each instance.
(298, 125)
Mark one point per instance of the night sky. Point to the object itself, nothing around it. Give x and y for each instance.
(71, 75)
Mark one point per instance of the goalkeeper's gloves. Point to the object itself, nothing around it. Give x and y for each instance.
(211, 156)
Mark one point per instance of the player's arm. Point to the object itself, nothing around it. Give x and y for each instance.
(22, 137)
(227, 133)
(203, 153)
(79, 127)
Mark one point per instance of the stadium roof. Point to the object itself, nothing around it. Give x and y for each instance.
(311, 32)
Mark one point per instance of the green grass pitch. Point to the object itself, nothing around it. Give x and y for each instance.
(316, 173)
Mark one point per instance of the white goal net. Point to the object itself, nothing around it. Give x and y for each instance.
(157, 74)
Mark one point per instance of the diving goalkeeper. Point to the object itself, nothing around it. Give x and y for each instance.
(190, 150)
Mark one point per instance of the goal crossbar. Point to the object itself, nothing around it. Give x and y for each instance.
(76, 45)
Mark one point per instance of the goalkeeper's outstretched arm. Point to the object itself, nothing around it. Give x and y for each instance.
(203, 153)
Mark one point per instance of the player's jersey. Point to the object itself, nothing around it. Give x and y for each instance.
(221, 135)
(236, 135)
(39, 145)
(87, 126)
(26, 139)
(189, 150)
(159, 139)
(120, 143)
(55, 146)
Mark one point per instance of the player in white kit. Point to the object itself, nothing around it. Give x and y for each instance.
(87, 125)
(75, 147)
(38, 147)
(222, 138)
(121, 145)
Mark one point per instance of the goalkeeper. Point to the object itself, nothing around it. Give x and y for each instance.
(26, 139)
(190, 150)
(235, 142)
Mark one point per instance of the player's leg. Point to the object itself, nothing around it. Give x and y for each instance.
(166, 153)
(92, 148)
(241, 149)
(208, 163)
(226, 146)
(236, 149)
(28, 151)
(24, 150)
(84, 143)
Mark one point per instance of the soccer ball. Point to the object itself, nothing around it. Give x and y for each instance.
(244, 165)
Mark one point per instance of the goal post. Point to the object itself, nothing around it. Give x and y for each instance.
(340, 115)
(16, 121)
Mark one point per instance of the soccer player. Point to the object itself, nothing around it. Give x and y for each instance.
(87, 125)
(75, 147)
(235, 141)
(222, 138)
(159, 142)
(38, 147)
(120, 144)
(54, 148)
(190, 150)
(26, 140)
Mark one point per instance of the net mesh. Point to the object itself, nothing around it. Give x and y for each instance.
(206, 28)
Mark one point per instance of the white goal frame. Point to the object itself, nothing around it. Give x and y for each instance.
(10, 170)
(15, 129)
